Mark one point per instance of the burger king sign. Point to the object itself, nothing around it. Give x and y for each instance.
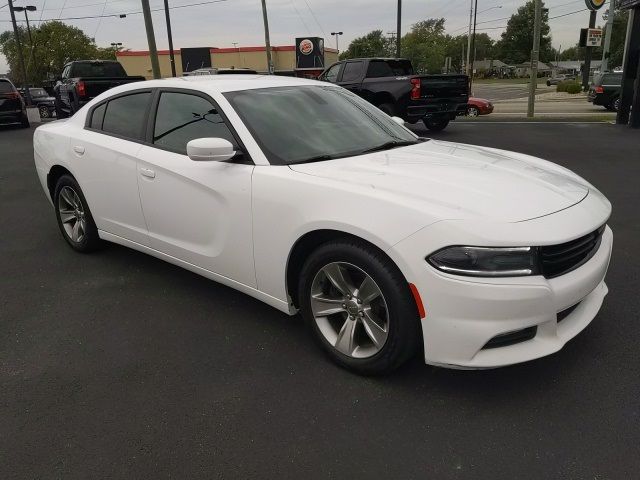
(305, 46)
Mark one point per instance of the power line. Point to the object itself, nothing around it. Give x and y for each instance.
(314, 17)
(125, 13)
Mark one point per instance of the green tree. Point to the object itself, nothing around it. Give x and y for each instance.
(373, 44)
(54, 44)
(517, 39)
(484, 48)
(426, 45)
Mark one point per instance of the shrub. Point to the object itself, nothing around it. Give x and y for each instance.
(574, 88)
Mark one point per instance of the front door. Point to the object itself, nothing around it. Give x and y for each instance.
(196, 211)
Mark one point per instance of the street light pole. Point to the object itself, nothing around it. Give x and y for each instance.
(20, 55)
(172, 59)
(267, 41)
(469, 38)
(337, 34)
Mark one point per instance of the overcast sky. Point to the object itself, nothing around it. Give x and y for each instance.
(221, 24)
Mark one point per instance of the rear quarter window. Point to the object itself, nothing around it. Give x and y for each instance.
(126, 116)
(5, 87)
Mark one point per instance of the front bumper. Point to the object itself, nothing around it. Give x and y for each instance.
(463, 314)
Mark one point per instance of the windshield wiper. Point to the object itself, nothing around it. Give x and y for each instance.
(389, 145)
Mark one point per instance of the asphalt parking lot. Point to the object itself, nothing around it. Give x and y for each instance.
(118, 365)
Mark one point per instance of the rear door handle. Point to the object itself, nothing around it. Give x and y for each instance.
(147, 172)
(79, 149)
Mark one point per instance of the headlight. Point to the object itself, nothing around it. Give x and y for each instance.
(486, 261)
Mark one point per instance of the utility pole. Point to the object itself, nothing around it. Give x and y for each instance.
(473, 45)
(20, 55)
(468, 63)
(267, 42)
(587, 53)
(151, 38)
(399, 30)
(172, 59)
(535, 54)
(607, 38)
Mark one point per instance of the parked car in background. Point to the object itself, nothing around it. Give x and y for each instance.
(560, 78)
(12, 107)
(478, 106)
(391, 85)
(605, 90)
(308, 198)
(220, 71)
(45, 103)
(83, 80)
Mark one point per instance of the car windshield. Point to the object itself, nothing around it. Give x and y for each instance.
(311, 123)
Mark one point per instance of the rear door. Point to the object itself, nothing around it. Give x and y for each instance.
(106, 163)
(352, 76)
(196, 211)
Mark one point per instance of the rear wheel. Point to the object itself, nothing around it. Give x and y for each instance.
(24, 121)
(436, 124)
(60, 113)
(74, 217)
(359, 307)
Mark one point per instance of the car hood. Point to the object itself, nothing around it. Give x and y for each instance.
(458, 181)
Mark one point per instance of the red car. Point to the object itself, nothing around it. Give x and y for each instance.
(478, 106)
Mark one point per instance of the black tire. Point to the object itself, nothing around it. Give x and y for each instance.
(90, 240)
(24, 121)
(404, 329)
(388, 109)
(436, 124)
(616, 104)
(473, 112)
(60, 113)
(548, 83)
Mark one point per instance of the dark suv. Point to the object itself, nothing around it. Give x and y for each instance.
(12, 108)
(605, 90)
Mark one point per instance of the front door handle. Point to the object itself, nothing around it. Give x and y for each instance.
(79, 149)
(147, 172)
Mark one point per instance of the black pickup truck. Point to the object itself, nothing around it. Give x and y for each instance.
(391, 85)
(83, 80)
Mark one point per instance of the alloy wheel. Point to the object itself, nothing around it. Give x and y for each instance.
(472, 112)
(349, 310)
(44, 112)
(72, 214)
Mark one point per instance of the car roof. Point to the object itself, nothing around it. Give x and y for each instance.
(219, 83)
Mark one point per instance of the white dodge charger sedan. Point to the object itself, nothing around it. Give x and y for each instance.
(310, 199)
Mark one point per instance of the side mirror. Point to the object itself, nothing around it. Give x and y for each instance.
(398, 120)
(210, 149)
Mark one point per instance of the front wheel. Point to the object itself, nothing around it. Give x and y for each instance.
(74, 217)
(436, 124)
(359, 307)
(44, 112)
(473, 112)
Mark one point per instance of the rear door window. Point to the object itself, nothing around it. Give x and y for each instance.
(352, 71)
(125, 116)
(389, 68)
